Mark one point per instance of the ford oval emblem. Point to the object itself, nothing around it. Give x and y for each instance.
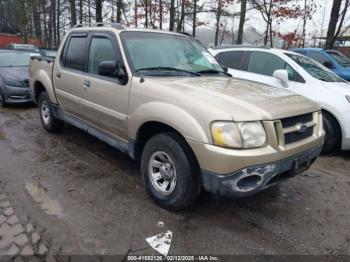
(302, 128)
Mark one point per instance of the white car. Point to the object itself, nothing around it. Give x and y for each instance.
(298, 73)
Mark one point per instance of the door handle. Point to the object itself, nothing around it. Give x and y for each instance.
(58, 75)
(86, 84)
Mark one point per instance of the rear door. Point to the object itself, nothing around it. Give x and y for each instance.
(105, 99)
(235, 61)
(67, 73)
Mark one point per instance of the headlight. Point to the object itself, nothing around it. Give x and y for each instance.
(238, 134)
(13, 82)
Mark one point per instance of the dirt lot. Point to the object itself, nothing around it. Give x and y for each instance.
(87, 198)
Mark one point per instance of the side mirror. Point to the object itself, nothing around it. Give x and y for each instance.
(107, 68)
(328, 64)
(281, 75)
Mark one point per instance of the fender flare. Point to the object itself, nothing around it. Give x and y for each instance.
(43, 78)
(168, 114)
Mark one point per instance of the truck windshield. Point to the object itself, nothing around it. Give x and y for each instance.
(315, 69)
(159, 54)
(12, 59)
(340, 58)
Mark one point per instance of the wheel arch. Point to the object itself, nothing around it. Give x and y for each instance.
(43, 82)
(151, 128)
(339, 125)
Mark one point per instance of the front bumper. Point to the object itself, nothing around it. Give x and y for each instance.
(251, 180)
(17, 95)
(344, 121)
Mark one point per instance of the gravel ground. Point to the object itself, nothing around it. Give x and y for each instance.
(83, 197)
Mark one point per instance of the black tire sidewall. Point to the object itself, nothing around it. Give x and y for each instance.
(54, 124)
(2, 100)
(332, 134)
(186, 190)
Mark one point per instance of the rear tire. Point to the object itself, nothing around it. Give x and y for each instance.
(48, 120)
(332, 133)
(170, 171)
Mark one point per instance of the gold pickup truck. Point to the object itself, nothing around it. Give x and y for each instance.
(163, 99)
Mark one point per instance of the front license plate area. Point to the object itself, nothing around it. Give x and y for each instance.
(301, 164)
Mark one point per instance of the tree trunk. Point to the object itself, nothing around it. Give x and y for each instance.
(271, 36)
(182, 17)
(99, 4)
(194, 23)
(80, 11)
(241, 22)
(119, 10)
(136, 14)
(43, 7)
(218, 18)
(172, 15)
(160, 14)
(53, 10)
(146, 13)
(89, 10)
(36, 18)
(73, 13)
(333, 24)
(58, 22)
(304, 25)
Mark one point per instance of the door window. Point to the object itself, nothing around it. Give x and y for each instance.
(74, 58)
(101, 49)
(234, 59)
(264, 63)
(321, 58)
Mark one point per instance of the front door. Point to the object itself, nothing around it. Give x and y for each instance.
(105, 99)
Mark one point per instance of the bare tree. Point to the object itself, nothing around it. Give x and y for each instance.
(336, 21)
(241, 21)
(73, 13)
(99, 6)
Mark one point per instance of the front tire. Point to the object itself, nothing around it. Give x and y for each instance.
(170, 171)
(332, 133)
(2, 101)
(48, 120)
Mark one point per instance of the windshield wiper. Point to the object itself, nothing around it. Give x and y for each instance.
(213, 71)
(163, 68)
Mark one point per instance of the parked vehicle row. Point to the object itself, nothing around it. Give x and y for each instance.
(164, 100)
(170, 104)
(300, 74)
(332, 59)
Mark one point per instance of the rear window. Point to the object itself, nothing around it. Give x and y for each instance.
(234, 59)
(74, 58)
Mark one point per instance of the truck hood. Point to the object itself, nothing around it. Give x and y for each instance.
(243, 100)
(14, 73)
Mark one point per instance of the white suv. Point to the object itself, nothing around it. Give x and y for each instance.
(303, 75)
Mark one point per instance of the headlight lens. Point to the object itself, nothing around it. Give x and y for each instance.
(239, 134)
(13, 82)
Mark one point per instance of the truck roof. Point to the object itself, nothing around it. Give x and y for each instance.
(121, 28)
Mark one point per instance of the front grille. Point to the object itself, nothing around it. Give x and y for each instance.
(298, 128)
(292, 121)
(296, 136)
